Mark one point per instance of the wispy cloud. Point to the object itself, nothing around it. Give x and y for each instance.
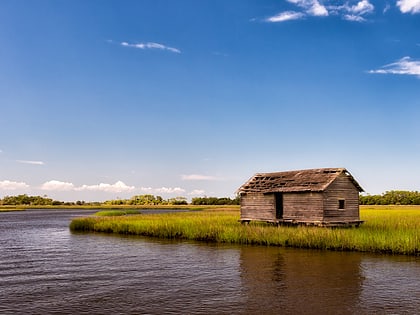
(308, 7)
(409, 6)
(151, 45)
(386, 8)
(11, 185)
(168, 190)
(353, 18)
(354, 11)
(162, 190)
(30, 162)
(286, 16)
(311, 7)
(197, 192)
(198, 177)
(404, 66)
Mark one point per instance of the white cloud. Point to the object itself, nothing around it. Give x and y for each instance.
(162, 190)
(362, 7)
(285, 16)
(148, 190)
(118, 187)
(151, 45)
(312, 7)
(353, 18)
(409, 6)
(56, 185)
(404, 66)
(30, 162)
(355, 12)
(166, 190)
(197, 192)
(11, 185)
(348, 10)
(318, 10)
(198, 177)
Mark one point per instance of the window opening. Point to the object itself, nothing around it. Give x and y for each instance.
(341, 204)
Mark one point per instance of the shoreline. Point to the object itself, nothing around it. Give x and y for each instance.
(118, 207)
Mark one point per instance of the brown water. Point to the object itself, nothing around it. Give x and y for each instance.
(45, 269)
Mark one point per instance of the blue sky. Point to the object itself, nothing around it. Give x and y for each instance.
(107, 99)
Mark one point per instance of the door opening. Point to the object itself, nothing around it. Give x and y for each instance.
(279, 205)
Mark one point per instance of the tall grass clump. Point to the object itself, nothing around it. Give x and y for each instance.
(394, 231)
(116, 213)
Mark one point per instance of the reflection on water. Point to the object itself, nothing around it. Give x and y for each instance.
(45, 269)
(391, 285)
(301, 281)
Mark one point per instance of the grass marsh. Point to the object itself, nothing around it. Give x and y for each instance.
(387, 229)
(116, 213)
(8, 209)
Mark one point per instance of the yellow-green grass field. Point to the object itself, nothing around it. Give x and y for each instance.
(387, 229)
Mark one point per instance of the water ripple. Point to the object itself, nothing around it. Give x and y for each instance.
(44, 269)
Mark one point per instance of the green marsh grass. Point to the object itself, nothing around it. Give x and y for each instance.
(392, 229)
(116, 213)
(8, 209)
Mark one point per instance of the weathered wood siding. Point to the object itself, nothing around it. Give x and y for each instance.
(257, 206)
(304, 206)
(341, 188)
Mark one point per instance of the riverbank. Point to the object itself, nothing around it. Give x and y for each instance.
(8, 209)
(114, 207)
(390, 230)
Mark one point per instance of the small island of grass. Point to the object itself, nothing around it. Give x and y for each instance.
(116, 212)
(387, 229)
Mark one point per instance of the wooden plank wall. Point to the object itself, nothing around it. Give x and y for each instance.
(305, 206)
(341, 188)
(257, 206)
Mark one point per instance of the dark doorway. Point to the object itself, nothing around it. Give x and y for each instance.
(279, 205)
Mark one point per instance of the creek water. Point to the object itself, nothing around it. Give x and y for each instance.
(46, 269)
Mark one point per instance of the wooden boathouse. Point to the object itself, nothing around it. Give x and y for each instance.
(322, 197)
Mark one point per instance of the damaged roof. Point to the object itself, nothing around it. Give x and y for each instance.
(315, 180)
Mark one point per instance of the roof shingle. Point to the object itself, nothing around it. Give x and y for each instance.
(295, 181)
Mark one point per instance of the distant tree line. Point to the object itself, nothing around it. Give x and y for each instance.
(214, 201)
(25, 200)
(393, 197)
(148, 200)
